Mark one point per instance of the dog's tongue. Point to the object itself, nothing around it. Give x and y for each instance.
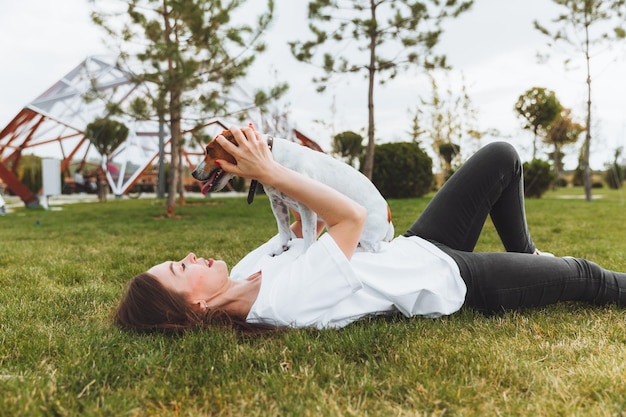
(206, 187)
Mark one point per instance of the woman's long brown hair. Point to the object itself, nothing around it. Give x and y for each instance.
(148, 306)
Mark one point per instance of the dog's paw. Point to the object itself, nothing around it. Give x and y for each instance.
(277, 251)
(370, 246)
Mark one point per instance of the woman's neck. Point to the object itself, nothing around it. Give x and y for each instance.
(238, 300)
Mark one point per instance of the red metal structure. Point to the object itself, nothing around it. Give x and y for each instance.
(53, 126)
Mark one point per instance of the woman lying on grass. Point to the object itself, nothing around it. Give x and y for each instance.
(430, 271)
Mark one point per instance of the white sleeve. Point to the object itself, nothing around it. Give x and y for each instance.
(302, 291)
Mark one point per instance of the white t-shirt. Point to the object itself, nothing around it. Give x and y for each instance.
(321, 288)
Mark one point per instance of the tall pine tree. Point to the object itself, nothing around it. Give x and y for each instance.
(587, 26)
(194, 51)
(379, 38)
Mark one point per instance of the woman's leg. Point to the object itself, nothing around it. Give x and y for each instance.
(506, 281)
(489, 183)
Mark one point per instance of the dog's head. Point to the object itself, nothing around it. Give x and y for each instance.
(207, 171)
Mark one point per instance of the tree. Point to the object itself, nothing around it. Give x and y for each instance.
(417, 130)
(583, 25)
(615, 172)
(390, 36)
(193, 53)
(538, 107)
(449, 151)
(562, 131)
(348, 146)
(277, 118)
(106, 135)
(450, 119)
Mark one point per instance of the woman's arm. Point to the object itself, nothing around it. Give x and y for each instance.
(343, 216)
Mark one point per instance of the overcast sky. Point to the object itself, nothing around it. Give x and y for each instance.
(494, 46)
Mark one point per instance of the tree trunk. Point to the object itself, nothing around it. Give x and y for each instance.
(181, 184)
(101, 182)
(161, 174)
(175, 110)
(368, 169)
(557, 160)
(587, 145)
(175, 115)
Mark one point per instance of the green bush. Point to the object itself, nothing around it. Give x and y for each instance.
(29, 172)
(578, 179)
(614, 176)
(402, 170)
(538, 177)
(561, 182)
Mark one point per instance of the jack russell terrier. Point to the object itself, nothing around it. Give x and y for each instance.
(317, 165)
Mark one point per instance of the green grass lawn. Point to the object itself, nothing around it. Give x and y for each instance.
(62, 273)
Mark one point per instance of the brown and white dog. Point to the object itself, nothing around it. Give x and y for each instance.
(317, 165)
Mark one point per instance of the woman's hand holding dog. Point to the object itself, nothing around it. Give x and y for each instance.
(344, 217)
(254, 158)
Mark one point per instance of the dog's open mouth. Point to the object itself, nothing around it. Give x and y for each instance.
(214, 177)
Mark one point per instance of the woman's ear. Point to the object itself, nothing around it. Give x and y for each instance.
(200, 306)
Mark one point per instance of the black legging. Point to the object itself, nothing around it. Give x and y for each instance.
(491, 183)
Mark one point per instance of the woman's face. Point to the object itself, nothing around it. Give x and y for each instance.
(196, 279)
